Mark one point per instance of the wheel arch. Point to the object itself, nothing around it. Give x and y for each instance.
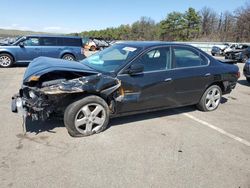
(9, 53)
(78, 96)
(218, 83)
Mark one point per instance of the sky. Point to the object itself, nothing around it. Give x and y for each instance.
(65, 16)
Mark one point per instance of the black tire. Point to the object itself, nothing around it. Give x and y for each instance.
(248, 79)
(6, 60)
(213, 54)
(71, 112)
(93, 48)
(68, 57)
(202, 103)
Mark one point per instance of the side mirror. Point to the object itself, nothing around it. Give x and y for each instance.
(21, 44)
(136, 68)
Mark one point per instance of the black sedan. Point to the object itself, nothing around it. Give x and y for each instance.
(246, 70)
(127, 78)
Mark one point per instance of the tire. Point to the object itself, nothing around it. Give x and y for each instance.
(87, 116)
(93, 48)
(68, 57)
(212, 94)
(213, 54)
(6, 60)
(248, 79)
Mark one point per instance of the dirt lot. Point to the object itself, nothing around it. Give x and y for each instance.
(171, 148)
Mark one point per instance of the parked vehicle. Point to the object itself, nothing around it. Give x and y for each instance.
(219, 49)
(246, 70)
(239, 54)
(126, 78)
(244, 55)
(216, 51)
(94, 44)
(30, 47)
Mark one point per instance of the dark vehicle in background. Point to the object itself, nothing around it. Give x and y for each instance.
(30, 47)
(246, 70)
(216, 51)
(126, 78)
(239, 54)
(244, 55)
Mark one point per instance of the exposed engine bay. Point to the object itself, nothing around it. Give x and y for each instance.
(51, 91)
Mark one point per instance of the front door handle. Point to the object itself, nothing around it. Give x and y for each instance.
(168, 80)
(208, 74)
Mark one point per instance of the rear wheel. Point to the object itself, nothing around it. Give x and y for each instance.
(213, 54)
(87, 116)
(93, 48)
(6, 60)
(210, 100)
(68, 57)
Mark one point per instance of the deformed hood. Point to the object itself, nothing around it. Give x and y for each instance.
(43, 65)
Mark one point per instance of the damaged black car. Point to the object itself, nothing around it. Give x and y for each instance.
(126, 78)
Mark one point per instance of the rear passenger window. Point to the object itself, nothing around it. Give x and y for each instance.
(49, 41)
(186, 57)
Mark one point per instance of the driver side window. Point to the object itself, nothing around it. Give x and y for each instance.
(31, 42)
(156, 59)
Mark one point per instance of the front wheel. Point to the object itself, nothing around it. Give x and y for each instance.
(87, 116)
(210, 100)
(6, 60)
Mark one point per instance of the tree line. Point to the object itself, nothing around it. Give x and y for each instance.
(202, 25)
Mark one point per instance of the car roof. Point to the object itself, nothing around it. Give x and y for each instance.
(148, 44)
(53, 36)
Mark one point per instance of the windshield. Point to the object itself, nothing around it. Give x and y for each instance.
(18, 40)
(110, 59)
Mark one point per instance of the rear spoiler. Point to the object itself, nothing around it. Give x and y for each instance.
(228, 61)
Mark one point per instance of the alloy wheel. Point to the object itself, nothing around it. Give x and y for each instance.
(5, 61)
(68, 57)
(90, 118)
(213, 99)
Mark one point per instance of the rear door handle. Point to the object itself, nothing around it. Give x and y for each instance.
(168, 80)
(208, 74)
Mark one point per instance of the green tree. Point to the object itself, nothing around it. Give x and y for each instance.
(144, 29)
(192, 24)
(172, 28)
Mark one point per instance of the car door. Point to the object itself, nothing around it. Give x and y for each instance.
(151, 88)
(190, 74)
(51, 47)
(29, 49)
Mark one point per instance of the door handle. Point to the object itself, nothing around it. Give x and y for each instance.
(208, 74)
(168, 80)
